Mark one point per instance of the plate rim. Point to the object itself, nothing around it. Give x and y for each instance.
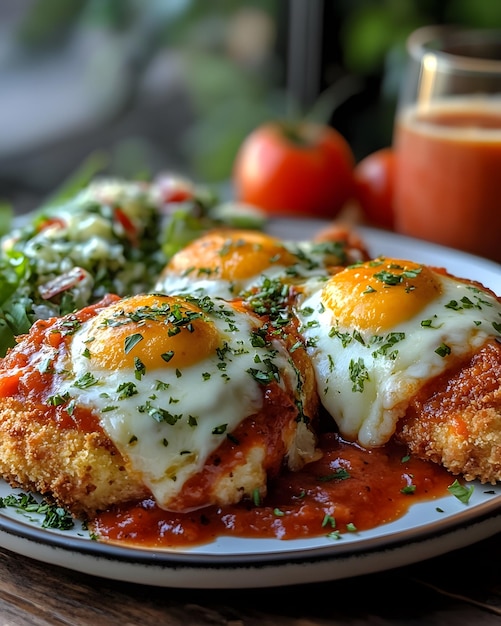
(469, 516)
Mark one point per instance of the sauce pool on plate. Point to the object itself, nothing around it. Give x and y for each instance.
(349, 489)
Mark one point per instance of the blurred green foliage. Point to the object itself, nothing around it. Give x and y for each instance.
(372, 36)
(229, 95)
(371, 29)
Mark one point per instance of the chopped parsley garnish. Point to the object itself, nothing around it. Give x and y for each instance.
(345, 338)
(159, 414)
(58, 399)
(408, 489)
(389, 341)
(391, 278)
(270, 374)
(335, 534)
(430, 323)
(358, 375)
(233, 439)
(270, 298)
(131, 341)
(328, 521)
(256, 497)
(126, 390)
(161, 386)
(462, 493)
(55, 516)
(219, 430)
(139, 368)
(85, 381)
(443, 350)
(339, 474)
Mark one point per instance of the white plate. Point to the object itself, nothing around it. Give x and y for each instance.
(428, 529)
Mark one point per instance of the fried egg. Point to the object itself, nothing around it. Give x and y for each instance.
(228, 262)
(376, 332)
(170, 379)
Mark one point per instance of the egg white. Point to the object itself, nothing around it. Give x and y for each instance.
(313, 259)
(173, 284)
(365, 380)
(175, 418)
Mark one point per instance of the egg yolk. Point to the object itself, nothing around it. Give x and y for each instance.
(230, 255)
(379, 294)
(151, 332)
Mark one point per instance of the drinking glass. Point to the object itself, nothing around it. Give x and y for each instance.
(447, 140)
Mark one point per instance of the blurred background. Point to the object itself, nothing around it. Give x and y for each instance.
(134, 87)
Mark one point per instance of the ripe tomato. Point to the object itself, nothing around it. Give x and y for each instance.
(374, 179)
(302, 169)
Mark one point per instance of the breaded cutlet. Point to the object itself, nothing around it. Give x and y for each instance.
(455, 420)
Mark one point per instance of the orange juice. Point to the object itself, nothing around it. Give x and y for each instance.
(448, 175)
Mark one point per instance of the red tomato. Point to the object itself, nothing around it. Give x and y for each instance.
(174, 188)
(9, 384)
(49, 222)
(374, 184)
(302, 169)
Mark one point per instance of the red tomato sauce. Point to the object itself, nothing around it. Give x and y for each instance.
(29, 379)
(349, 489)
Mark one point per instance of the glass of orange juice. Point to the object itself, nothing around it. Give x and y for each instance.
(447, 140)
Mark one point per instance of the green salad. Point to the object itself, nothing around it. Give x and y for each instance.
(113, 236)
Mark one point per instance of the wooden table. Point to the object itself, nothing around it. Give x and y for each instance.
(462, 588)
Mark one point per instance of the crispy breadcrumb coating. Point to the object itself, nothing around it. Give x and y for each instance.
(455, 420)
(82, 471)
